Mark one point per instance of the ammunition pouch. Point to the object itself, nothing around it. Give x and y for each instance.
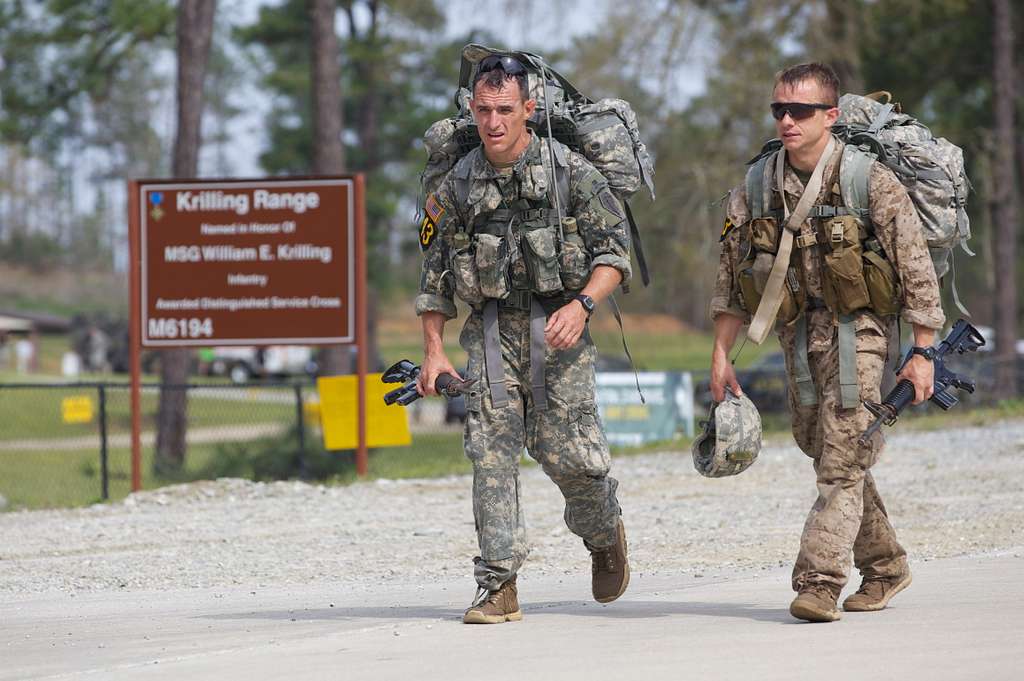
(540, 250)
(467, 277)
(492, 263)
(880, 279)
(843, 276)
(762, 235)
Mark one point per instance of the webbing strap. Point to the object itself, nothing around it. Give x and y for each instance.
(538, 320)
(848, 391)
(805, 391)
(638, 246)
(881, 119)
(622, 332)
(764, 318)
(492, 356)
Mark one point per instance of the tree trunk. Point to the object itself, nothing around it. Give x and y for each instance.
(1005, 195)
(195, 32)
(328, 151)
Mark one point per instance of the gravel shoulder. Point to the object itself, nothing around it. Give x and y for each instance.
(950, 493)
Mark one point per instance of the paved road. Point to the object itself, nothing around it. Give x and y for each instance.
(960, 620)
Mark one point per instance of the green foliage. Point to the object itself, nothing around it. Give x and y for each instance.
(31, 249)
(277, 458)
(55, 54)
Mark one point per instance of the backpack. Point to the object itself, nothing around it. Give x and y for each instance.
(605, 132)
(930, 168)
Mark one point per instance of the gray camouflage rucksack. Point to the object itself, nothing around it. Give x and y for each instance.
(930, 168)
(605, 132)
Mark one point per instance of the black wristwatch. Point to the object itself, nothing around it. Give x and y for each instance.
(929, 353)
(587, 302)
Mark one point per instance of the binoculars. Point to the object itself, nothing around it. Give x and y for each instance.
(406, 373)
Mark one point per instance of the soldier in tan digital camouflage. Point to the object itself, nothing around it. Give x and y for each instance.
(831, 281)
(493, 237)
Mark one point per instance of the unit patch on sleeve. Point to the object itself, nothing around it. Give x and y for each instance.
(428, 228)
(726, 229)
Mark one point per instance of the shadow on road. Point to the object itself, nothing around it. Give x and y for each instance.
(621, 610)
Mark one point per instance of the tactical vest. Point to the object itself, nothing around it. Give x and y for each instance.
(519, 248)
(856, 273)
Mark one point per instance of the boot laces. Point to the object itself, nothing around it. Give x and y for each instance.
(604, 560)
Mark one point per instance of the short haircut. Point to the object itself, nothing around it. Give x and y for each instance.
(496, 78)
(822, 73)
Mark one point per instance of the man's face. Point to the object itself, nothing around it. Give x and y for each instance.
(500, 117)
(805, 134)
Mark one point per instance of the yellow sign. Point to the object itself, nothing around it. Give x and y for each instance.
(76, 409)
(386, 426)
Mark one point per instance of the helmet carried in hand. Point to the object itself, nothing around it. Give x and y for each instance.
(731, 439)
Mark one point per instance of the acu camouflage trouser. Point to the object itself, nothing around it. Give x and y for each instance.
(566, 439)
(848, 514)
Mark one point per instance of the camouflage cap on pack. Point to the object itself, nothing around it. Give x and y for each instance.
(731, 439)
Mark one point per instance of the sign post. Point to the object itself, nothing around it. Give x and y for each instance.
(246, 262)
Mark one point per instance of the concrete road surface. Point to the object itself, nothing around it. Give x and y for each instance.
(961, 619)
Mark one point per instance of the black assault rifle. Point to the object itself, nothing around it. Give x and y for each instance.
(963, 338)
(406, 372)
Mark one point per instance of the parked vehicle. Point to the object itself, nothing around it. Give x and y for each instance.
(243, 363)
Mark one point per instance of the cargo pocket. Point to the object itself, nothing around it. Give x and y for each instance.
(492, 260)
(880, 279)
(542, 260)
(467, 278)
(574, 259)
(764, 235)
(591, 447)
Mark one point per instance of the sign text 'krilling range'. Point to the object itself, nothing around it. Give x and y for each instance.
(247, 262)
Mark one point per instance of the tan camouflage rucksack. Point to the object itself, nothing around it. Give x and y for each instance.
(930, 168)
(605, 132)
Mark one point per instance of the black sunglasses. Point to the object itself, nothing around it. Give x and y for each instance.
(796, 110)
(510, 65)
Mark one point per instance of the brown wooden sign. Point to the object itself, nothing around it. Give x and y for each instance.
(246, 262)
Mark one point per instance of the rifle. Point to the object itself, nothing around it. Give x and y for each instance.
(963, 338)
(406, 372)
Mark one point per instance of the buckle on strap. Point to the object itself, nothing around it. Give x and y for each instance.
(518, 299)
(805, 240)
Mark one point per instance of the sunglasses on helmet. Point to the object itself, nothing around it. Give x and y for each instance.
(510, 65)
(796, 110)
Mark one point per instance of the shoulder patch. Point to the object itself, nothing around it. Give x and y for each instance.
(729, 226)
(610, 203)
(428, 227)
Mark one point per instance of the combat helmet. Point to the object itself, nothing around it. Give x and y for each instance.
(731, 439)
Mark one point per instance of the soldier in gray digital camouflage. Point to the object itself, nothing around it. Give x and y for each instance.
(831, 279)
(495, 236)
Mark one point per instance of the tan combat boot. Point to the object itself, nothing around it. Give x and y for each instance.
(816, 603)
(610, 568)
(875, 594)
(495, 607)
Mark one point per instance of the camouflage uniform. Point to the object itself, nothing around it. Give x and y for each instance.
(848, 513)
(566, 438)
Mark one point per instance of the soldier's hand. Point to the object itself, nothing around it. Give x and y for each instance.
(920, 372)
(566, 326)
(433, 366)
(723, 376)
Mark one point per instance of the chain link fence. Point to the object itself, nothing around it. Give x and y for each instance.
(70, 444)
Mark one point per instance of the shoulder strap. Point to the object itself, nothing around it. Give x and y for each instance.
(462, 179)
(758, 189)
(561, 172)
(854, 174)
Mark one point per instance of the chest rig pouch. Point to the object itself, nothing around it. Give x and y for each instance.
(520, 247)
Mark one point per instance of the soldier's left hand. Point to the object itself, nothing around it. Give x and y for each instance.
(565, 326)
(920, 372)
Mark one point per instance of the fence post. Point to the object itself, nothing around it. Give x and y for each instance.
(300, 424)
(104, 474)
